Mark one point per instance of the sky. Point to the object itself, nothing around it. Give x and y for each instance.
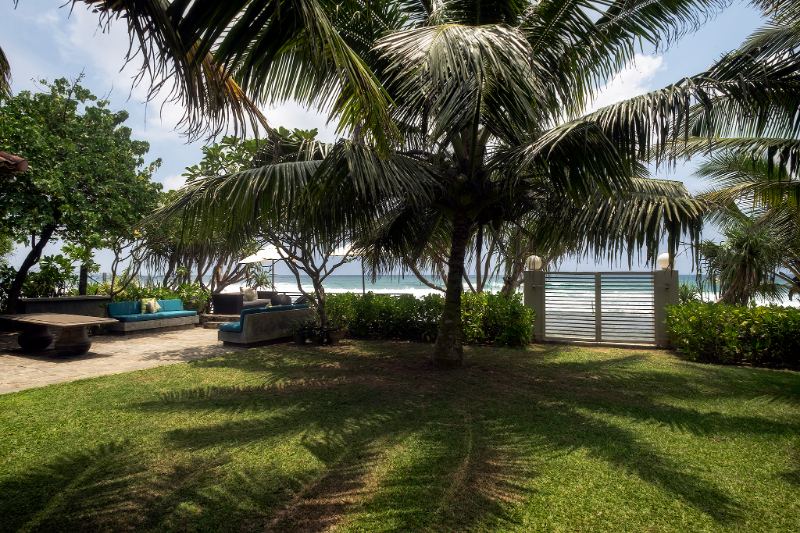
(43, 40)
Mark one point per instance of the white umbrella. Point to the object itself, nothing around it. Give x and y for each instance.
(267, 254)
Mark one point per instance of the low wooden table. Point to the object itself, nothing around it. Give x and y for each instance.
(36, 333)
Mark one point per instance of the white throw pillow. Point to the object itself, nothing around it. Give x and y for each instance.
(151, 306)
(249, 294)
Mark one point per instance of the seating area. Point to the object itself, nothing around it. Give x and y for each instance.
(264, 324)
(129, 316)
(234, 303)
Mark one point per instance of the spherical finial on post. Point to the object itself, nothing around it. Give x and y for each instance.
(664, 262)
(534, 262)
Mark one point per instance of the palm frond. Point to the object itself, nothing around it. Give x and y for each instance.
(741, 176)
(172, 61)
(429, 67)
(245, 201)
(355, 186)
(5, 75)
(579, 44)
(622, 223)
(248, 36)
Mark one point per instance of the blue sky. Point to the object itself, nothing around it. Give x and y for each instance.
(44, 41)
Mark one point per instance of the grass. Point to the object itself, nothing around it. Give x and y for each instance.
(369, 437)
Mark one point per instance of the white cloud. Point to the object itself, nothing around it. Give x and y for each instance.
(291, 115)
(172, 182)
(102, 51)
(631, 81)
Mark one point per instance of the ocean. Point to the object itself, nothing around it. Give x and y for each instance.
(411, 285)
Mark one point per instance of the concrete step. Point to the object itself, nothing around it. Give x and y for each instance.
(213, 321)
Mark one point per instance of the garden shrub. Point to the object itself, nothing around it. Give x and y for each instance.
(762, 336)
(485, 317)
(193, 296)
(53, 278)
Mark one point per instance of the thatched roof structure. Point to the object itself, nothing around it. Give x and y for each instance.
(12, 163)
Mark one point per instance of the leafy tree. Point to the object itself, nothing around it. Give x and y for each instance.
(463, 114)
(84, 184)
(230, 156)
(175, 250)
(305, 251)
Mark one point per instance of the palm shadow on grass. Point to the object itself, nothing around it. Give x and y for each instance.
(408, 446)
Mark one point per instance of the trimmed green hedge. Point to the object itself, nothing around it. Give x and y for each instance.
(485, 317)
(762, 336)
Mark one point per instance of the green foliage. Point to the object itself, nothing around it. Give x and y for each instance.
(231, 155)
(305, 327)
(259, 276)
(485, 317)
(763, 336)
(746, 262)
(5, 75)
(7, 275)
(688, 293)
(193, 295)
(83, 176)
(6, 246)
(55, 276)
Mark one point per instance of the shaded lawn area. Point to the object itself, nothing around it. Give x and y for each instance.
(369, 436)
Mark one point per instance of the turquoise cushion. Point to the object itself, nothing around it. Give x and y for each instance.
(287, 307)
(117, 309)
(134, 318)
(279, 308)
(171, 305)
(173, 314)
(252, 311)
(154, 316)
(236, 327)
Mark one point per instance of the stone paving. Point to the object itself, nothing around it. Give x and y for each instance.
(109, 354)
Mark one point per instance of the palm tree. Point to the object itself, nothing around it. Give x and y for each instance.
(5, 75)
(460, 115)
(744, 265)
(765, 241)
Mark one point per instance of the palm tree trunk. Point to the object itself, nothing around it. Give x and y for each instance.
(730, 293)
(448, 351)
(83, 280)
(319, 291)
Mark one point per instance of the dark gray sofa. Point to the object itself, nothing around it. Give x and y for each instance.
(259, 325)
(234, 303)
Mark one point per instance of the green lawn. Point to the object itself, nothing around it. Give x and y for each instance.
(369, 437)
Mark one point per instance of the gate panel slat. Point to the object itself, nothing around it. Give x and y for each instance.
(600, 307)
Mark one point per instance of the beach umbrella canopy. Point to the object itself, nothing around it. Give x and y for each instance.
(344, 250)
(269, 253)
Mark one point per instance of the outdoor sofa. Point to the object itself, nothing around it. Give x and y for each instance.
(130, 317)
(233, 303)
(259, 325)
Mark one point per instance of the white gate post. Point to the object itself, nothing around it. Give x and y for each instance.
(666, 292)
(533, 297)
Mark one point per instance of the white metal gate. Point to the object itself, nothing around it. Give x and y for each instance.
(597, 307)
